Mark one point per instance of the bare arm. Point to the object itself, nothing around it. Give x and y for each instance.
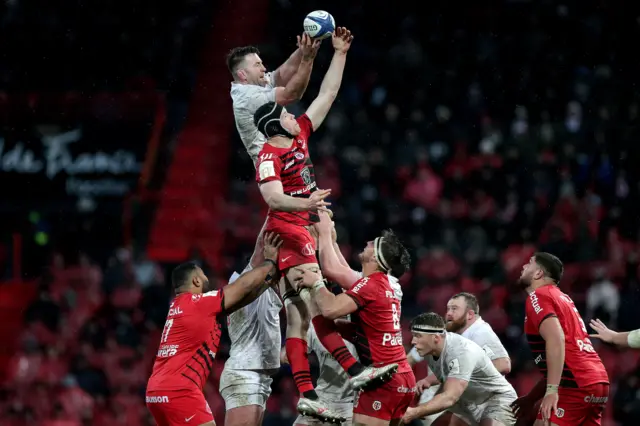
(284, 72)
(331, 265)
(627, 339)
(552, 333)
(453, 390)
(247, 283)
(503, 365)
(296, 84)
(274, 196)
(332, 306)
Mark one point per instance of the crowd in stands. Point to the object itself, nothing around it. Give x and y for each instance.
(497, 132)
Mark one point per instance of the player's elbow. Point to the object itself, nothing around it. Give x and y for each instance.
(272, 201)
(330, 312)
(287, 96)
(503, 365)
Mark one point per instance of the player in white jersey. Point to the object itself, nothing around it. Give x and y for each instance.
(472, 386)
(245, 383)
(332, 385)
(463, 317)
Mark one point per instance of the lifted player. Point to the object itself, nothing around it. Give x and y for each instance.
(374, 305)
(191, 336)
(254, 330)
(287, 183)
(472, 387)
(575, 387)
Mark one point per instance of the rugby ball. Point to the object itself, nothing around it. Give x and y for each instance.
(319, 24)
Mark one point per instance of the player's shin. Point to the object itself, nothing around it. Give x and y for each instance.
(332, 341)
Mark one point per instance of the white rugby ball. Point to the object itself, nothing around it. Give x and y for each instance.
(319, 24)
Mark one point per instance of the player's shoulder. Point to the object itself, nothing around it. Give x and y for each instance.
(461, 346)
(268, 153)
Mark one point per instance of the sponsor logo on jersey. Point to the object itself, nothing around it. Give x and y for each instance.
(289, 164)
(165, 351)
(157, 399)
(592, 399)
(585, 346)
(361, 284)
(392, 339)
(535, 303)
(308, 250)
(299, 155)
(175, 311)
(403, 389)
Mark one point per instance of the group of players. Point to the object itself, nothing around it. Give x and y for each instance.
(365, 375)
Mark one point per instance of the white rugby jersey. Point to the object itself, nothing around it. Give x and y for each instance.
(247, 98)
(466, 360)
(333, 383)
(481, 333)
(255, 335)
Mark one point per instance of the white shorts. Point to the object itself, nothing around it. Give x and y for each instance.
(497, 408)
(344, 409)
(425, 397)
(240, 388)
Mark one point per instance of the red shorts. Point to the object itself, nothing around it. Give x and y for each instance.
(183, 407)
(389, 401)
(580, 406)
(298, 246)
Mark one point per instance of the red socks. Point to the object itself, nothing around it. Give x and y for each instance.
(299, 361)
(332, 341)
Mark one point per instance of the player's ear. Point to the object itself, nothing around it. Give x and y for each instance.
(241, 74)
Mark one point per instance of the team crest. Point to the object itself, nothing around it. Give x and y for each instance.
(299, 155)
(306, 175)
(454, 366)
(559, 413)
(195, 297)
(377, 405)
(308, 250)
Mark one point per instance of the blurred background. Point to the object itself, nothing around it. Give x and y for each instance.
(479, 132)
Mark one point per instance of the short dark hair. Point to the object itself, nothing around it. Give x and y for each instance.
(237, 55)
(470, 300)
(182, 273)
(430, 319)
(395, 253)
(550, 264)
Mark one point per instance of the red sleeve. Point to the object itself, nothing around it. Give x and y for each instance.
(363, 292)
(210, 303)
(268, 168)
(540, 306)
(306, 127)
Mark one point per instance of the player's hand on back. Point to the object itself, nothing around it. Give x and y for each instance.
(317, 200)
(308, 46)
(602, 331)
(341, 39)
(272, 243)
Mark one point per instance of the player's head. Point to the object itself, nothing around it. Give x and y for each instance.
(542, 268)
(272, 120)
(387, 254)
(188, 277)
(245, 65)
(428, 331)
(462, 309)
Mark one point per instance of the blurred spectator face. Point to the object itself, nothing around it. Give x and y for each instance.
(457, 314)
(252, 70)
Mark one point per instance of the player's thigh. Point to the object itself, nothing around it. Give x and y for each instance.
(245, 388)
(493, 422)
(386, 402)
(540, 422)
(364, 420)
(298, 246)
(248, 415)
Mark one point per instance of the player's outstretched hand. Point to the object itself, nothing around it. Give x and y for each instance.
(272, 243)
(341, 39)
(422, 385)
(410, 415)
(602, 331)
(317, 200)
(308, 46)
(326, 224)
(307, 278)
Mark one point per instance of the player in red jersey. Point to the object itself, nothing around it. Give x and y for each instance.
(374, 304)
(287, 182)
(191, 336)
(575, 388)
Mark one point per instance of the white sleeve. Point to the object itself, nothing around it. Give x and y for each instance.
(462, 364)
(633, 339)
(271, 79)
(413, 354)
(491, 345)
(256, 96)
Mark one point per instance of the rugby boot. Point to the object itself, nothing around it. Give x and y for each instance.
(318, 410)
(372, 376)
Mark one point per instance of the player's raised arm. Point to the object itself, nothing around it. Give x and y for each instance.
(629, 339)
(275, 197)
(236, 293)
(291, 83)
(319, 108)
(330, 305)
(332, 266)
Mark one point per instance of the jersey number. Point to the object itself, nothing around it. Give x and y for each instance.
(396, 316)
(165, 330)
(584, 328)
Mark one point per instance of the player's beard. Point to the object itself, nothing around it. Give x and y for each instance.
(454, 325)
(523, 282)
(206, 286)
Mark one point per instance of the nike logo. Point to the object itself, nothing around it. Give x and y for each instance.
(188, 419)
(284, 259)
